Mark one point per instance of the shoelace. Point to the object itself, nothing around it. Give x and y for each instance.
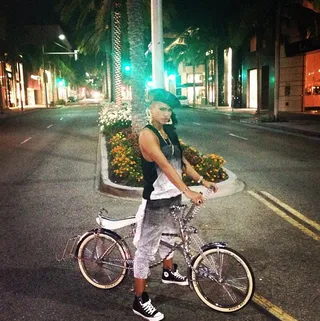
(148, 307)
(178, 275)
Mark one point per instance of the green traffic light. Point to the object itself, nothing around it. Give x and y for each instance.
(127, 68)
(61, 82)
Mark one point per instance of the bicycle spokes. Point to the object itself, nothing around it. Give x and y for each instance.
(222, 279)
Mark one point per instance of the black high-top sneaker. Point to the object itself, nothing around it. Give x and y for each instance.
(142, 306)
(173, 276)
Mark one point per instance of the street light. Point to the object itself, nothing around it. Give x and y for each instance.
(62, 37)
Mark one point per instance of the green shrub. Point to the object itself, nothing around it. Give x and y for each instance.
(61, 102)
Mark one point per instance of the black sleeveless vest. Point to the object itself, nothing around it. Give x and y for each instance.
(151, 170)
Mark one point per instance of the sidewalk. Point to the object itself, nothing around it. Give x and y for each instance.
(303, 123)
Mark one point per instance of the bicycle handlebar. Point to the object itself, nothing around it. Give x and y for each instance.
(194, 208)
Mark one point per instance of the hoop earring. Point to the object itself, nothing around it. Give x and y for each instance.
(148, 116)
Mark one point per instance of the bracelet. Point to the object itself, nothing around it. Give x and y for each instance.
(185, 189)
(200, 179)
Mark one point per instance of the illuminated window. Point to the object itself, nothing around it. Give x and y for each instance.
(253, 44)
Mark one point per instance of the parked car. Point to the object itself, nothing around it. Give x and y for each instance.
(183, 101)
(72, 99)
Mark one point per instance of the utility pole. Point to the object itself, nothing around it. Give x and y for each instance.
(157, 44)
(277, 63)
(216, 74)
(45, 79)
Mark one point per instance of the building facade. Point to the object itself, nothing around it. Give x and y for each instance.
(299, 63)
(23, 84)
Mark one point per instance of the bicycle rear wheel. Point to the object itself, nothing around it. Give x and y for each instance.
(102, 260)
(222, 279)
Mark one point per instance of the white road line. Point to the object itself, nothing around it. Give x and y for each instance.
(49, 126)
(233, 135)
(292, 211)
(197, 124)
(273, 309)
(61, 118)
(286, 217)
(25, 140)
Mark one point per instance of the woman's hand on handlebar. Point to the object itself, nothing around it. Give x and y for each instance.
(195, 197)
(211, 185)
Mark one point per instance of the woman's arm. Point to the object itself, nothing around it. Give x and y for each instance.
(192, 173)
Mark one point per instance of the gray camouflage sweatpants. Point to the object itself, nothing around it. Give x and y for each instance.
(157, 220)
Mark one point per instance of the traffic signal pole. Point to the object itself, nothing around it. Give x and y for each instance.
(45, 79)
(157, 44)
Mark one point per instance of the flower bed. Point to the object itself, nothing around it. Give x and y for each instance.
(124, 154)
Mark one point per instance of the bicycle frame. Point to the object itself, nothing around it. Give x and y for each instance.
(187, 234)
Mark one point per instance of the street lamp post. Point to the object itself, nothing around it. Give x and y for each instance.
(277, 63)
(157, 44)
(45, 78)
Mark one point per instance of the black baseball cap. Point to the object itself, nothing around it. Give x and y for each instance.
(163, 96)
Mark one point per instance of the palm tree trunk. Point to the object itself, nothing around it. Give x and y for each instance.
(137, 59)
(116, 48)
(216, 74)
(109, 80)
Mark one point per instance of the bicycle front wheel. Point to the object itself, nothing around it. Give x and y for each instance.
(102, 260)
(222, 279)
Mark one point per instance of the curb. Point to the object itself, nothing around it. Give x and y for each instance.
(281, 128)
(252, 120)
(226, 188)
(292, 130)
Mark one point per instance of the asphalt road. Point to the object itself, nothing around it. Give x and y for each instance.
(48, 162)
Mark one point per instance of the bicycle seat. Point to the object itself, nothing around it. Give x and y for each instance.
(114, 224)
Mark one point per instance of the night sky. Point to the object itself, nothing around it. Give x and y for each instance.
(188, 13)
(33, 11)
(43, 11)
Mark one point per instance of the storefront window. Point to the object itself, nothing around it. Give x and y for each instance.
(311, 97)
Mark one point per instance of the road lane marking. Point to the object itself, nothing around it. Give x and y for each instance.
(292, 210)
(61, 118)
(197, 124)
(25, 140)
(49, 126)
(285, 216)
(273, 309)
(233, 135)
